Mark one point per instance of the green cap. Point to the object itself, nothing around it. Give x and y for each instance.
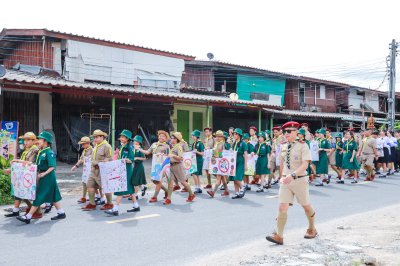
(262, 134)
(302, 131)
(138, 138)
(246, 136)
(268, 132)
(20, 141)
(47, 136)
(126, 133)
(317, 131)
(196, 133)
(339, 135)
(238, 131)
(226, 135)
(322, 131)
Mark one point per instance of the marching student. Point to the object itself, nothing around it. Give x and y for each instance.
(219, 146)
(392, 142)
(46, 188)
(28, 155)
(339, 157)
(198, 148)
(262, 151)
(332, 153)
(185, 148)
(397, 162)
(273, 160)
(87, 152)
(302, 137)
(250, 150)
(384, 152)
(177, 170)
(102, 152)
(349, 156)
(125, 152)
(241, 163)
(138, 175)
(323, 163)
(229, 138)
(369, 153)
(208, 144)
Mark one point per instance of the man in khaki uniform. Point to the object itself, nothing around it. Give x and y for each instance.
(272, 160)
(208, 144)
(102, 152)
(295, 157)
(369, 153)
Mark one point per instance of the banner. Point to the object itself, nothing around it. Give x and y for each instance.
(9, 131)
(4, 147)
(113, 176)
(23, 179)
(87, 167)
(226, 165)
(251, 165)
(314, 151)
(190, 162)
(160, 167)
(207, 158)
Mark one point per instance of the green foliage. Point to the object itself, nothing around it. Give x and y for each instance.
(397, 125)
(5, 181)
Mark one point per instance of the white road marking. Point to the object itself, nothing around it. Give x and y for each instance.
(272, 197)
(134, 218)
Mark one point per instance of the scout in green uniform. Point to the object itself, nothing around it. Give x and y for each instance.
(241, 161)
(250, 150)
(295, 158)
(125, 153)
(349, 157)
(46, 187)
(198, 148)
(30, 151)
(138, 175)
(87, 152)
(339, 156)
(262, 151)
(323, 163)
(219, 147)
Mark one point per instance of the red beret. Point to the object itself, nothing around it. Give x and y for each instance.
(351, 129)
(276, 128)
(291, 124)
(207, 128)
(253, 127)
(304, 124)
(328, 130)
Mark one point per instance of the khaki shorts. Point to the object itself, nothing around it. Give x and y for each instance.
(272, 162)
(297, 188)
(368, 160)
(94, 180)
(332, 159)
(178, 173)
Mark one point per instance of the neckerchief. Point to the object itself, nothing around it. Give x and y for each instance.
(259, 147)
(25, 153)
(97, 146)
(120, 151)
(45, 149)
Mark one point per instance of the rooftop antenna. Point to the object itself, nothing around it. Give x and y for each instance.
(210, 56)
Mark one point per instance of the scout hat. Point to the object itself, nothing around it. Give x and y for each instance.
(238, 131)
(317, 131)
(84, 140)
(219, 133)
(21, 140)
(253, 127)
(98, 132)
(126, 133)
(302, 131)
(267, 132)
(177, 135)
(196, 133)
(322, 131)
(262, 134)
(138, 138)
(246, 136)
(291, 124)
(339, 135)
(226, 135)
(29, 135)
(47, 136)
(162, 132)
(207, 128)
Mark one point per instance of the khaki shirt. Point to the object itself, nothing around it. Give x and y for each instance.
(369, 146)
(86, 153)
(276, 142)
(101, 153)
(159, 147)
(218, 148)
(293, 158)
(30, 154)
(178, 151)
(209, 143)
(185, 146)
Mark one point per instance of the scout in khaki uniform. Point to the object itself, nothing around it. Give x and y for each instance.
(102, 152)
(185, 148)
(219, 146)
(28, 156)
(125, 153)
(87, 152)
(157, 148)
(323, 163)
(250, 150)
(295, 157)
(46, 188)
(331, 154)
(276, 143)
(253, 135)
(177, 170)
(349, 156)
(262, 151)
(241, 163)
(369, 153)
(198, 148)
(208, 144)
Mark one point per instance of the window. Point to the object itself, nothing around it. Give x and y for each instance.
(322, 92)
(302, 92)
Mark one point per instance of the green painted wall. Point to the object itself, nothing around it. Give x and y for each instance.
(247, 84)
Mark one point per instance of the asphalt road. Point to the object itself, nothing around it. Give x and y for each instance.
(176, 234)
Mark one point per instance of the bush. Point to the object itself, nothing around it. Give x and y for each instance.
(5, 182)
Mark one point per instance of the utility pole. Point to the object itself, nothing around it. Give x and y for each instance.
(392, 85)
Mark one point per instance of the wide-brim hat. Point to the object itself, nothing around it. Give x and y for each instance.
(302, 131)
(219, 133)
(138, 138)
(99, 132)
(262, 134)
(238, 131)
(246, 136)
(84, 140)
(163, 132)
(177, 135)
(29, 135)
(196, 133)
(226, 135)
(291, 124)
(322, 131)
(267, 132)
(126, 133)
(47, 136)
(339, 135)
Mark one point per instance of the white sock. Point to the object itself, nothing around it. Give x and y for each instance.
(15, 209)
(29, 216)
(115, 208)
(103, 198)
(135, 204)
(60, 211)
(97, 196)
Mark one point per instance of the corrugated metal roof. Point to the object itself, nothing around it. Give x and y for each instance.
(22, 77)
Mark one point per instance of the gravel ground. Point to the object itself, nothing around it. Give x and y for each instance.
(371, 238)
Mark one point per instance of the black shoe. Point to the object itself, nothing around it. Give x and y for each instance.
(319, 185)
(137, 197)
(134, 209)
(260, 189)
(354, 181)
(24, 219)
(13, 214)
(59, 216)
(48, 208)
(237, 196)
(340, 181)
(100, 202)
(222, 188)
(275, 182)
(144, 191)
(329, 179)
(382, 176)
(198, 191)
(248, 187)
(112, 213)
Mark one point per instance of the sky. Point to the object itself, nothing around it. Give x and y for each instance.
(345, 41)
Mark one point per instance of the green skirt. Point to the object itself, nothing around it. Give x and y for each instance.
(322, 166)
(239, 170)
(350, 165)
(262, 166)
(200, 162)
(47, 190)
(129, 190)
(339, 159)
(139, 176)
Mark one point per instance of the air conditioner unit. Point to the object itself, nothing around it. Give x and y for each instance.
(315, 109)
